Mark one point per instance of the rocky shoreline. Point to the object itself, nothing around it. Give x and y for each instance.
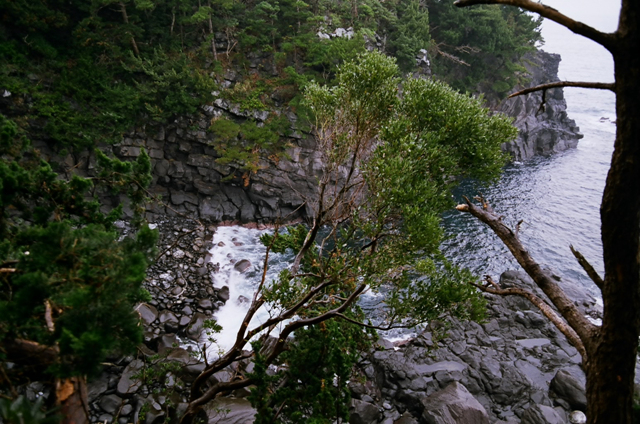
(513, 368)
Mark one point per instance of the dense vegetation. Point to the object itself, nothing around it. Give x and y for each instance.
(79, 73)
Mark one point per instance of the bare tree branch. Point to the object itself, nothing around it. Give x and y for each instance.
(604, 39)
(544, 307)
(578, 322)
(591, 272)
(580, 84)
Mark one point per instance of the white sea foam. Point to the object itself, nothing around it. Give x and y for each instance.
(231, 245)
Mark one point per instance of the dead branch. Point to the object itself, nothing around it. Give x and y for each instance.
(561, 324)
(48, 316)
(559, 84)
(591, 272)
(567, 309)
(604, 39)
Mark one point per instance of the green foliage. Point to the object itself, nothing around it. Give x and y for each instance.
(421, 143)
(391, 161)
(21, 411)
(486, 42)
(412, 33)
(170, 84)
(76, 279)
(312, 385)
(244, 145)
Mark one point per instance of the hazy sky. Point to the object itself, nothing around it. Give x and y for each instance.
(601, 14)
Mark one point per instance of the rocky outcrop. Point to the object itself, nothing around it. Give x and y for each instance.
(191, 181)
(505, 365)
(543, 124)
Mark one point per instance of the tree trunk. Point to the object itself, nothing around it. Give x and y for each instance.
(71, 395)
(611, 368)
(125, 18)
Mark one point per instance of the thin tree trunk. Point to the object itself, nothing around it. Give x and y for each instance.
(71, 395)
(125, 17)
(173, 20)
(213, 36)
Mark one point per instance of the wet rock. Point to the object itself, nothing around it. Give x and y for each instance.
(577, 417)
(167, 342)
(147, 312)
(196, 326)
(242, 265)
(127, 383)
(205, 304)
(97, 387)
(453, 405)
(110, 404)
(169, 320)
(238, 411)
(223, 294)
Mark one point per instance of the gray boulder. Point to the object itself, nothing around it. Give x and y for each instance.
(363, 412)
(541, 414)
(569, 388)
(127, 383)
(453, 405)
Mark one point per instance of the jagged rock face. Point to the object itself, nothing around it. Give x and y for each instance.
(189, 179)
(544, 127)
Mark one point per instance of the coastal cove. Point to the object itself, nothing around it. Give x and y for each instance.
(500, 371)
(504, 367)
(226, 251)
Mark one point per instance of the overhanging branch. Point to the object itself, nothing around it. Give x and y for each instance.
(567, 309)
(580, 28)
(558, 84)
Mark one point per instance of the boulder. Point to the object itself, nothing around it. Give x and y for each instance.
(541, 414)
(232, 411)
(148, 313)
(363, 412)
(242, 265)
(127, 383)
(453, 405)
(568, 387)
(194, 330)
(110, 404)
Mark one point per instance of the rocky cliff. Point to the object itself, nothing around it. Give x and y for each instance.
(189, 179)
(543, 124)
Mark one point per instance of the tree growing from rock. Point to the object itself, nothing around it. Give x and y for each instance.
(608, 351)
(390, 155)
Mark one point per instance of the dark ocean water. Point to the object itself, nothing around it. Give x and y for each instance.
(557, 197)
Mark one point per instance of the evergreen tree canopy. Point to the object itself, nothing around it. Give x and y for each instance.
(69, 279)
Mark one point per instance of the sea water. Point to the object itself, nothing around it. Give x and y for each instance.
(556, 197)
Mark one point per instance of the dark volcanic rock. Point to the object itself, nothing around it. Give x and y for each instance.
(546, 130)
(453, 405)
(541, 414)
(363, 412)
(567, 387)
